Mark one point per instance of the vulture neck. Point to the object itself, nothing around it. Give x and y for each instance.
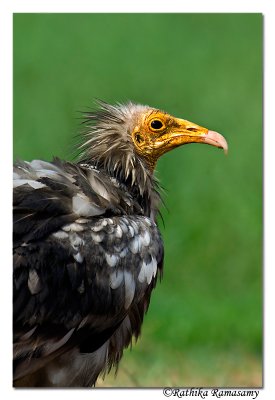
(132, 174)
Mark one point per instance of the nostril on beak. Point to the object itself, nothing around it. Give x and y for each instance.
(192, 129)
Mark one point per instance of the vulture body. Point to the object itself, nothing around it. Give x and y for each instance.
(87, 249)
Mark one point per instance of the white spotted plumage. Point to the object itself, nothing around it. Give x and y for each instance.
(84, 254)
(111, 259)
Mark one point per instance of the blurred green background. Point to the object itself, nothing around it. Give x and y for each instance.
(204, 325)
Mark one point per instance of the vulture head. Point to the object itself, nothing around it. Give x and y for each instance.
(128, 139)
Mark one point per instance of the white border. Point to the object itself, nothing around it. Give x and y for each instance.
(136, 6)
(7, 7)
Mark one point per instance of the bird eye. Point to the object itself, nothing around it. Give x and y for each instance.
(156, 124)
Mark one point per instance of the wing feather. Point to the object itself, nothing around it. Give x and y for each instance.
(82, 279)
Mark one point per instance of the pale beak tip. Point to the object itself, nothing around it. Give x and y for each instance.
(218, 140)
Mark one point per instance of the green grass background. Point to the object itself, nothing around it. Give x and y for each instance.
(204, 325)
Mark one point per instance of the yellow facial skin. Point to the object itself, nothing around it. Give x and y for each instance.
(159, 132)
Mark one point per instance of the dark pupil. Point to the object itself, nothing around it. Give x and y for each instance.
(156, 124)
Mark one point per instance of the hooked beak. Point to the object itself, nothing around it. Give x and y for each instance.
(185, 132)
